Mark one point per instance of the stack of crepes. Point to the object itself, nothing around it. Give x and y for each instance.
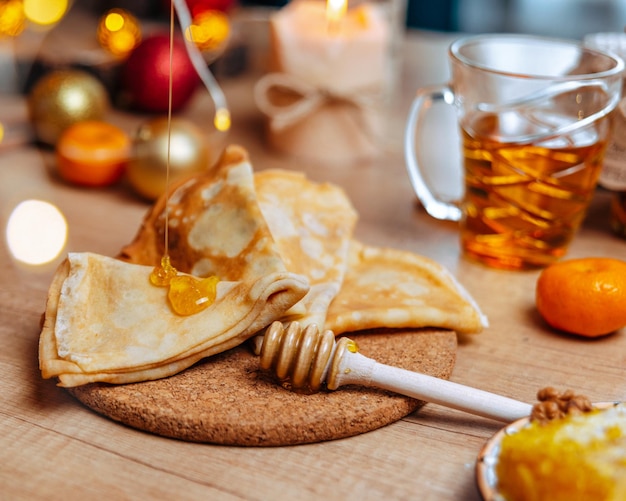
(282, 248)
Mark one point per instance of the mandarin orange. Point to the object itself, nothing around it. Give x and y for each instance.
(92, 153)
(584, 296)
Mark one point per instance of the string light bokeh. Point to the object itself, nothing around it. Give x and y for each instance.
(45, 12)
(119, 32)
(209, 30)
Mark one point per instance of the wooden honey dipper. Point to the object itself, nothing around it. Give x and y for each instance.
(306, 358)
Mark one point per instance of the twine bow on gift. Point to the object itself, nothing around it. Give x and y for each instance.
(287, 100)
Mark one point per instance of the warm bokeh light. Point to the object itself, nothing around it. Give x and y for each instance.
(12, 18)
(119, 32)
(222, 119)
(1, 132)
(36, 232)
(45, 12)
(114, 21)
(209, 30)
(335, 10)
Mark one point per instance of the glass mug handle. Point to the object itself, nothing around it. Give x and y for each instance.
(436, 207)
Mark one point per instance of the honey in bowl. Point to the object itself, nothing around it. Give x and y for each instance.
(579, 457)
(567, 449)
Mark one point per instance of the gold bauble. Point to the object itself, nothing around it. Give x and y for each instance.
(62, 98)
(189, 153)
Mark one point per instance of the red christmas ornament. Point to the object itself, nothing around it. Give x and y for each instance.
(146, 72)
(197, 7)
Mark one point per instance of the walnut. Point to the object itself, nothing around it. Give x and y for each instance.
(554, 405)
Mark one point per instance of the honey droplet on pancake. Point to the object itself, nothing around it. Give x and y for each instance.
(189, 295)
(162, 275)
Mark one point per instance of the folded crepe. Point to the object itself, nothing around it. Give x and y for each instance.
(389, 288)
(105, 321)
(353, 286)
(215, 225)
(312, 225)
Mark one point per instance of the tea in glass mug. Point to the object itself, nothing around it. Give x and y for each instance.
(534, 115)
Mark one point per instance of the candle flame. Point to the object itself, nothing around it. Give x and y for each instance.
(335, 10)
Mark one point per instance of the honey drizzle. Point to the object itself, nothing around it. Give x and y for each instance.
(170, 86)
(187, 295)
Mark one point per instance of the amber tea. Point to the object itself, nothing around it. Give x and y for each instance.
(534, 118)
(524, 202)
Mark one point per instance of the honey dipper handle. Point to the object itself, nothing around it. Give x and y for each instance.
(351, 367)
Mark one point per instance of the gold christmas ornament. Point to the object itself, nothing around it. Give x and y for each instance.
(147, 170)
(63, 98)
(119, 32)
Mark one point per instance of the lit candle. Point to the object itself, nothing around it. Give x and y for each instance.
(335, 10)
(331, 71)
(330, 46)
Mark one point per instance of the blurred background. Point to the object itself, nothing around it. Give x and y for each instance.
(562, 18)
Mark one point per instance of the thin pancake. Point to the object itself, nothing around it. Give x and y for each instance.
(393, 288)
(312, 224)
(215, 225)
(104, 321)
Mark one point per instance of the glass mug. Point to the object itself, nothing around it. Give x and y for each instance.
(534, 115)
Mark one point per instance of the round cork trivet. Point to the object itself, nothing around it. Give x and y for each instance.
(227, 400)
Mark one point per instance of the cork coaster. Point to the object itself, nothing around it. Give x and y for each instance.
(227, 400)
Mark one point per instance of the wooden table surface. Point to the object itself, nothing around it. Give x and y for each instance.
(51, 447)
